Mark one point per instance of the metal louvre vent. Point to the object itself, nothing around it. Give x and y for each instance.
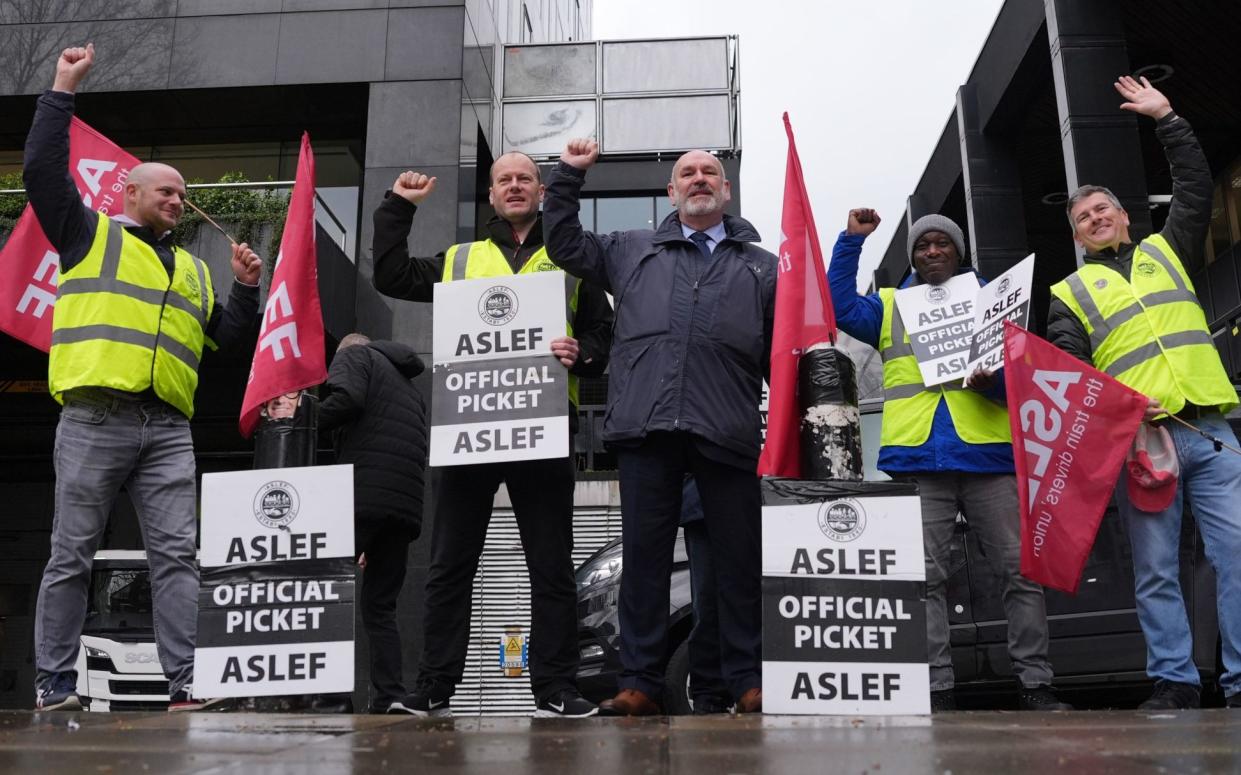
(502, 599)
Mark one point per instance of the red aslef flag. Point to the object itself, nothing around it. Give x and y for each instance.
(289, 354)
(1072, 426)
(29, 265)
(804, 317)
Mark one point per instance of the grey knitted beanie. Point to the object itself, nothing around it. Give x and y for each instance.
(937, 223)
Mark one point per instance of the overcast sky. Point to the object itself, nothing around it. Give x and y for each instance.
(868, 92)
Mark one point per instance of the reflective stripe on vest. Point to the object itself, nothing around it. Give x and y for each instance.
(1149, 330)
(909, 405)
(122, 323)
(485, 259)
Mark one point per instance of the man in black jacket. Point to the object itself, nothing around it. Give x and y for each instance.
(1131, 311)
(541, 490)
(695, 309)
(379, 423)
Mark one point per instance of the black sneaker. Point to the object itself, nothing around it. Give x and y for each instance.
(943, 699)
(60, 692)
(423, 703)
(1041, 697)
(1172, 695)
(184, 701)
(566, 703)
(1233, 701)
(711, 705)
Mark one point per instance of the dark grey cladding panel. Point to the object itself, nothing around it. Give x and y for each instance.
(32, 11)
(434, 229)
(414, 120)
(332, 5)
(476, 66)
(331, 46)
(424, 43)
(226, 50)
(130, 55)
(220, 7)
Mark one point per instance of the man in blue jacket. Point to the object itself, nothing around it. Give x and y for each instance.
(954, 442)
(695, 305)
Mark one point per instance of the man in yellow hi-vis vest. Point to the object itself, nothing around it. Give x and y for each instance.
(541, 490)
(133, 314)
(1131, 310)
(953, 440)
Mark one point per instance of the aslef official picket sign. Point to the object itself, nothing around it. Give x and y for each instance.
(276, 604)
(844, 618)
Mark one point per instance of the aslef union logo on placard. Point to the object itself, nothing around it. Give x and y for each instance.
(937, 294)
(842, 520)
(1002, 286)
(498, 305)
(276, 504)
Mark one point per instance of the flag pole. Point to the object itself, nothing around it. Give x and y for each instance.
(207, 218)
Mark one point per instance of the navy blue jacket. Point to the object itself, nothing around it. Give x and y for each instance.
(861, 317)
(691, 342)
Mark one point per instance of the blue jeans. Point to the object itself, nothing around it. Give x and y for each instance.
(1211, 481)
(107, 440)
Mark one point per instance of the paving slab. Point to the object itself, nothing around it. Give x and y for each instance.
(1129, 742)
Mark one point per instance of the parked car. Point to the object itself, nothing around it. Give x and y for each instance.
(1097, 647)
(118, 666)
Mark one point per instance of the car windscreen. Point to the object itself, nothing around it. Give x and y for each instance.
(119, 602)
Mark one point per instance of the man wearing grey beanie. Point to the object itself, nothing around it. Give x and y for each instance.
(954, 442)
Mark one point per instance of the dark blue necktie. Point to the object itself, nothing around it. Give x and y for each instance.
(700, 238)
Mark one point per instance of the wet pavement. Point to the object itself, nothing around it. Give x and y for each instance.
(1127, 742)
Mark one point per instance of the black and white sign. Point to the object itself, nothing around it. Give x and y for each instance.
(940, 322)
(844, 619)
(497, 392)
(1005, 298)
(276, 603)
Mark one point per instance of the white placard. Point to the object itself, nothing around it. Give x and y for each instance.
(848, 538)
(1005, 298)
(844, 615)
(277, 514)
(939, 320)
(276, 603)
(497, 391)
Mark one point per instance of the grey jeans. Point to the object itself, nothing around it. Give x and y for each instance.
(107, 440)
(989, 503)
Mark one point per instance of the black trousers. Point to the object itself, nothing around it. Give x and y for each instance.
(651, 477)
(387, 556)
(542, 495)
(706, 681)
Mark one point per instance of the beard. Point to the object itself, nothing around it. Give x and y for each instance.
(690, 205)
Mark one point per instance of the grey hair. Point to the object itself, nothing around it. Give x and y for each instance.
(1084, 191)
(353, 340)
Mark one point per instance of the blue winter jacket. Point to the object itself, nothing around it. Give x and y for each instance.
(861, 317)
(691, 340)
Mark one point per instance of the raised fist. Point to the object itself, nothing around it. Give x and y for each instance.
(862, 221)
(72, 67)
(581, 152)
(413, 187)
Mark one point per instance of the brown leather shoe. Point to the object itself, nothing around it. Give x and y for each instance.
(751, 701)
(629, 702)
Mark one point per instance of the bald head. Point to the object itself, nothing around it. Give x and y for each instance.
(155, 196)
(516, 189)
(699, 190)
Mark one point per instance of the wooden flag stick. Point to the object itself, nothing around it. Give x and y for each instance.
(207, 218)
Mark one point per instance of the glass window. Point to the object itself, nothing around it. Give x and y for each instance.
(663, 206)
(665, 65)
(543, 128)
(544, 71)
(666, 123)
(587, 214)
(622, 213)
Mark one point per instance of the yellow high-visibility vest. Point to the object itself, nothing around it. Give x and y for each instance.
(121, 323)
(909, 406)
(471, 260)
(1149, 330)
